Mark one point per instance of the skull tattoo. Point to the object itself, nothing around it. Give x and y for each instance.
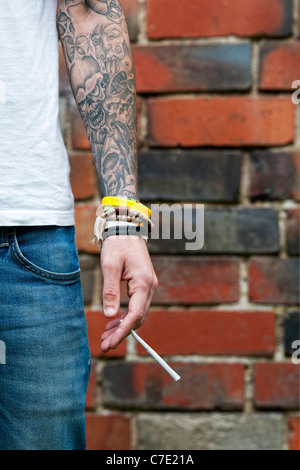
(108, 44)
(89, 86)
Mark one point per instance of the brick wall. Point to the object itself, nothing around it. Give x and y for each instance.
(216, 126)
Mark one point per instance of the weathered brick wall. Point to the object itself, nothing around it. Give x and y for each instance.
(216, 126)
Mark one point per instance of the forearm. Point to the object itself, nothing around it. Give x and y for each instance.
(98, 56)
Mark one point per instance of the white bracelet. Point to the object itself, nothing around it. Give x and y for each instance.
(115, 223)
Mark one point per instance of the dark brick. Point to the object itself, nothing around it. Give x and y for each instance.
(275, 175)
(226, 231)
(206, 176)
(87, 266)
(176, 68)
(274, 280)
(241, 231)
(202, 386)
(292, 231)
(291, 331)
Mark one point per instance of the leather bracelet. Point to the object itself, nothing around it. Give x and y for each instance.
(137, 230)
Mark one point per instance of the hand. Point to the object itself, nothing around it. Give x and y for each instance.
(125, 258)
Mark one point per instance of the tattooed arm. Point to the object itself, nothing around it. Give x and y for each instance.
(98, 56)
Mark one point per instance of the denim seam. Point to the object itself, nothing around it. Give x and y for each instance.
(20, 258)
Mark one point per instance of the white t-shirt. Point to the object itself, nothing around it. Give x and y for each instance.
(34, 167)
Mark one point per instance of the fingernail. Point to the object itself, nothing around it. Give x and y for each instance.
(110, 311)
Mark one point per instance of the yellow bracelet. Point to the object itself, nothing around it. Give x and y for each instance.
(123, 202)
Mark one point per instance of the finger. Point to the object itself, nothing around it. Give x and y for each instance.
(115, 322)
(108, 333)
(114, 337)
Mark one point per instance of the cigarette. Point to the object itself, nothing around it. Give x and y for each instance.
(156, 356)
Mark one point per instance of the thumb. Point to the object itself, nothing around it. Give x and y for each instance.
(111, 292)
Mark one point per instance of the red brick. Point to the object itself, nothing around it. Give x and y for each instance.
(108, 432)
(209, 332)
(274, 280)
(279, 65)
(85, 216)
(78, 134)
(192, 279)
(82, 175)
(221, 121)
(130, 8)
(277, 385)
(298, 22)
(202, 386)
(96, 322)
(293, 231)
(91, 390)
(204, 18)
(64, 82)
(294, 438)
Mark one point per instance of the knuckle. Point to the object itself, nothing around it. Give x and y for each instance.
(110, 291)
(107, 266)
(155, 283)
(146, 279)
(140, 319)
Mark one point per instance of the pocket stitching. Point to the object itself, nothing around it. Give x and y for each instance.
(21, 259)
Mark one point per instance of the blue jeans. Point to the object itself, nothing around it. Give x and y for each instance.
(45, 363)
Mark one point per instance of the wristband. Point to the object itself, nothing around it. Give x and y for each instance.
(134, 204)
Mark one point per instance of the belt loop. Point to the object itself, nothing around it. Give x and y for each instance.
(4, 236)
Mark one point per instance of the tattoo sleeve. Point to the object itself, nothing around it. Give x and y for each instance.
(98, 55)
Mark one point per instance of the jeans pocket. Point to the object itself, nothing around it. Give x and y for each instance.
(48, 252)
